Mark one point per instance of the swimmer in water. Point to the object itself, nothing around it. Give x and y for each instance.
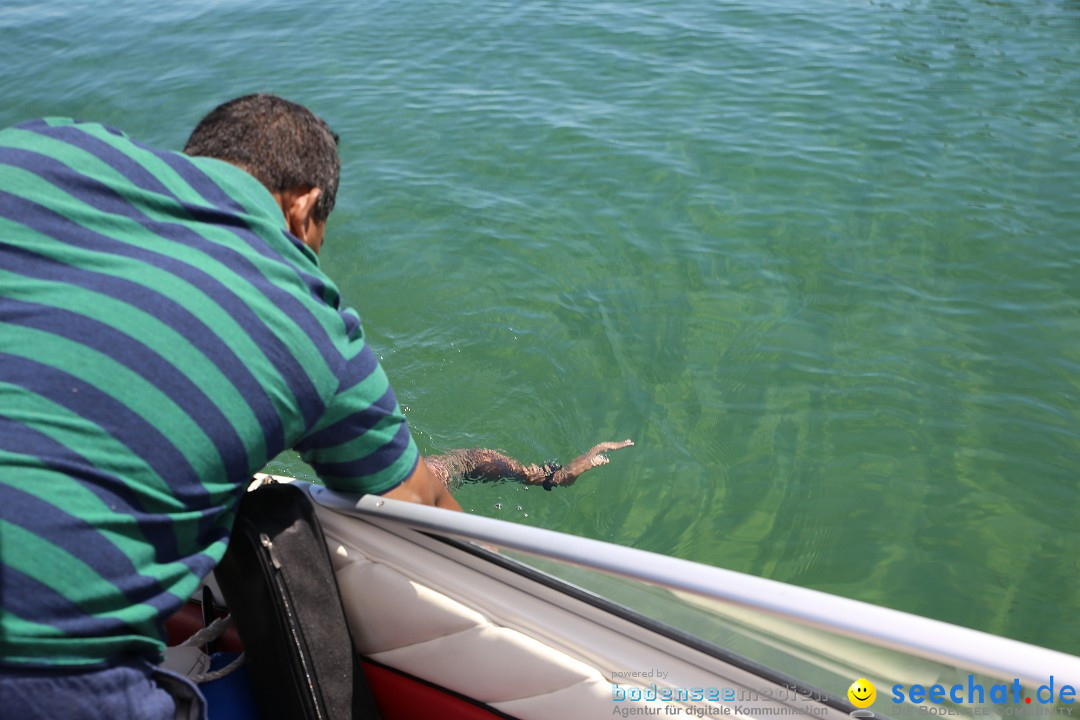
(478, 465)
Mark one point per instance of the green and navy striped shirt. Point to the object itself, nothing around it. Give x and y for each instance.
(162, 336)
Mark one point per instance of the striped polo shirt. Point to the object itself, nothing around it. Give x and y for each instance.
(162, 336)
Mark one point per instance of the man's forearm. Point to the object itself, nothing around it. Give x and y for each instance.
(483, 465)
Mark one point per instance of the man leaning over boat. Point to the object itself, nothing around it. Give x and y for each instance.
(165, 330)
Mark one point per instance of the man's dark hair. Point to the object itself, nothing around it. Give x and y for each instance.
(281, 143)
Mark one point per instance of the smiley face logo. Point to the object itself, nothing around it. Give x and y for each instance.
(862, 693)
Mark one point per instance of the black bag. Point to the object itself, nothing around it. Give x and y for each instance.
(279, 585)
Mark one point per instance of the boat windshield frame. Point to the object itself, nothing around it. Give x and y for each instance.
(923, 638)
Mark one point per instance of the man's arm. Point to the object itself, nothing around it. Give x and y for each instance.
(425, 488)
(489, 465)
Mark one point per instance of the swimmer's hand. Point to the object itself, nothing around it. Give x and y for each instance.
(595, 457)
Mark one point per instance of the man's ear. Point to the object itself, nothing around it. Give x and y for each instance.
(298, 205)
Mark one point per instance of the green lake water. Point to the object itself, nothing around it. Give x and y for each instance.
(820, 260)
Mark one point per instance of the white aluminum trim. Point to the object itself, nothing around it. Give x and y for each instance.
(922, 637)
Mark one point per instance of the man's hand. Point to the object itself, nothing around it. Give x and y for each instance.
(424, 488)
(595, 457)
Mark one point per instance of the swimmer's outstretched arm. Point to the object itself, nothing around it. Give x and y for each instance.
(489, 465)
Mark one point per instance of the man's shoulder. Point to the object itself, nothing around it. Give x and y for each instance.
(74, 143)
(78, 146)
(67, 126)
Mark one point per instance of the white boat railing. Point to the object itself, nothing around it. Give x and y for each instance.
(921, 637)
